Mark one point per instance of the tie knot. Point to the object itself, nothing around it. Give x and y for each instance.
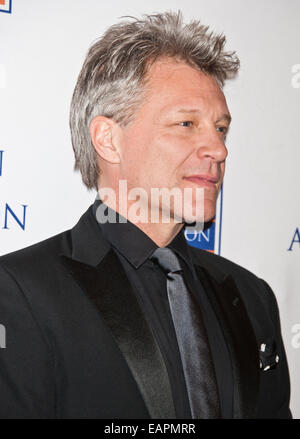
(166, 259)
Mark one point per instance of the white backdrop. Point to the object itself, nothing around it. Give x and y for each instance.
(42, 47)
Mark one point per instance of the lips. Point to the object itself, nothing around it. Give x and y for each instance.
(203, 180)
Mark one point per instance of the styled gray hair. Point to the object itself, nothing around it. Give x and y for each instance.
(112, 79)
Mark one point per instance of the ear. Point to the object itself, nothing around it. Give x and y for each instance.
(102, 130)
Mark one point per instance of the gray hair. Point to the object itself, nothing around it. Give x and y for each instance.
(112, 79)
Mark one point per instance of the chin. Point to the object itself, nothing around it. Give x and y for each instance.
(209, 213)
(204, 216)
(209, 209)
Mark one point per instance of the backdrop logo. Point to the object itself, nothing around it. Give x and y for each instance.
(5, 6)
(295, 240)
(210, 238)
(9, 213)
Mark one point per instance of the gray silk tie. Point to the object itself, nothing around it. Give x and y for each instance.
(192, 339)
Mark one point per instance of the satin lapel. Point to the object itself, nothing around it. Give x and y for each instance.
(232, 315)
(109, 289)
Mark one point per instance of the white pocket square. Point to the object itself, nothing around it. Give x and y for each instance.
(268, 357)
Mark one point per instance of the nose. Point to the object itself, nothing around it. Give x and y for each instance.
(213, 146)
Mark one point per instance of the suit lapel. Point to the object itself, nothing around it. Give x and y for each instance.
(232, 315)
(108, 287)
(100, 274)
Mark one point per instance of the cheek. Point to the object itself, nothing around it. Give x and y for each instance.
(133, 157)
(172, 151)
(155, 160)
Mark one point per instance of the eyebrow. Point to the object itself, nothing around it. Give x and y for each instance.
(224, 116)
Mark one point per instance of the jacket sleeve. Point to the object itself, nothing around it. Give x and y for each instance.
(27, 386)
(283, 410)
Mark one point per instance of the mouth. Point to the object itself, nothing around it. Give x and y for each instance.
(206, 180)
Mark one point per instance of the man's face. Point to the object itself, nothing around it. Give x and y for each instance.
(177, 137)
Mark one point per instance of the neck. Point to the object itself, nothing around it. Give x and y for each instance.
(162, 233)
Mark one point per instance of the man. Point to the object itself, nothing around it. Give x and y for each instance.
(99, 323)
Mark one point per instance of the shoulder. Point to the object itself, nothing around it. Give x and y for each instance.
(220, 266)
(255, 291)
(34, 258)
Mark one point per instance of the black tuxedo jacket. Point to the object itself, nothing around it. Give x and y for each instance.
(79, 346)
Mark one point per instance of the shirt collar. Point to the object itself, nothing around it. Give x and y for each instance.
(126, 237)
(133, 243)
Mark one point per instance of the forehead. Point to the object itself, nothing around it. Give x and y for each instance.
(171, 82)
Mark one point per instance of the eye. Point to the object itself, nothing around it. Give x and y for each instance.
(186, 123)
(222, 129)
